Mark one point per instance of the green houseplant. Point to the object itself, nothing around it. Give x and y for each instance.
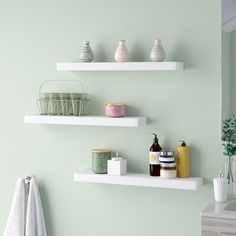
(229, 143)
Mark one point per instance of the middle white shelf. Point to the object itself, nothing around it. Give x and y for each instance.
(137, 179)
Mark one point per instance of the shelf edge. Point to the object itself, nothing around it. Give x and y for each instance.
(141, 180)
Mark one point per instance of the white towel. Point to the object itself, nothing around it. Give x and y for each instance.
(35, 224)
(26, 215)
(16, 220)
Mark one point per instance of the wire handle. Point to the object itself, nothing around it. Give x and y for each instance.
(52, 81)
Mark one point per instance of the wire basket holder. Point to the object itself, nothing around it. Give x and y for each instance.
(62, 103)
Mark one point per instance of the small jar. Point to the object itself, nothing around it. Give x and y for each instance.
(168, 170)
(115, 110)
(100, 156)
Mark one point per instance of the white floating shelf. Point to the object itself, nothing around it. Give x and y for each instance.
(144, 180)
(121, 66)
(86, 120)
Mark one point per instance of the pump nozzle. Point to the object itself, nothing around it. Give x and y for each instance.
(155, 140)
(183, 144)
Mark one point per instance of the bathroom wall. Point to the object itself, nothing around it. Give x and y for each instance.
(35, 35)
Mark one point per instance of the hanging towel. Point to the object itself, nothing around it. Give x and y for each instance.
(35, 224)
(16, 220)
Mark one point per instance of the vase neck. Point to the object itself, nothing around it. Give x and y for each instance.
(121, 42)
(86, 43)
(157, 41)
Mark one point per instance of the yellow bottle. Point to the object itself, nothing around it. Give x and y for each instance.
(183, 167)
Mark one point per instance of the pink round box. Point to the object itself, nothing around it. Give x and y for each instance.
(115, 110)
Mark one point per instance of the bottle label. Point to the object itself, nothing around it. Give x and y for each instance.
(154, 158)
(166, 159)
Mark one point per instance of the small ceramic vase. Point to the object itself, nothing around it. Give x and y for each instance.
(121, 54)
(158, 52)
(86, 54)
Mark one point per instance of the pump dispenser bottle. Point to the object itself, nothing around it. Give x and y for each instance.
(154, 154)
(183, 167)
(220, 188)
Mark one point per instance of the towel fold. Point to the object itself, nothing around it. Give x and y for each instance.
(16, 220)
(26, 215)
(35, 224)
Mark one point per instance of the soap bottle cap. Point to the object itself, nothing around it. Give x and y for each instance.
(155, 140)
(221, 175)
(117, 157)
(183, 144)
(220, 178)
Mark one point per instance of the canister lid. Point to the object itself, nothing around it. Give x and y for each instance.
(114, 104)
(101, 150)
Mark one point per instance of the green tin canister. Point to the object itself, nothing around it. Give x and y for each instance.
(100, 156)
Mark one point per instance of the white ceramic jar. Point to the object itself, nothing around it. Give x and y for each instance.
(158, 53)
(117, 166)
(86, 54)
(121, 54)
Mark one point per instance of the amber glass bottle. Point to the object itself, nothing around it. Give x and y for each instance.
(154, 153)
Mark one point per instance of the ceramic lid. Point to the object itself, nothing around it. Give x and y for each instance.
(101, 150)
(114, 104)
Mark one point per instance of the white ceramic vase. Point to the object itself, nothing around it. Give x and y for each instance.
(158, 52)
(86, 54)
(121, 54)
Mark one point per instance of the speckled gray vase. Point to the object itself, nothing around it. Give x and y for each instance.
(158, 52)
(86, 54)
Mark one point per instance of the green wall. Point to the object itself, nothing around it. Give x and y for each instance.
(35, 35)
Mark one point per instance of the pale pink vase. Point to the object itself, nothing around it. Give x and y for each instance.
(121, 54)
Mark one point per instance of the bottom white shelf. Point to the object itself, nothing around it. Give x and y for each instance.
(144, 180)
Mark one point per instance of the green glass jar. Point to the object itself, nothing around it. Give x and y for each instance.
(100, 156)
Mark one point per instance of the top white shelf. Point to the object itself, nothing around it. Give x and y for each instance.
(121, 66)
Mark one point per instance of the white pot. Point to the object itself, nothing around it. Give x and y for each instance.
(121, 54)
(158, 53)
(86, 54)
